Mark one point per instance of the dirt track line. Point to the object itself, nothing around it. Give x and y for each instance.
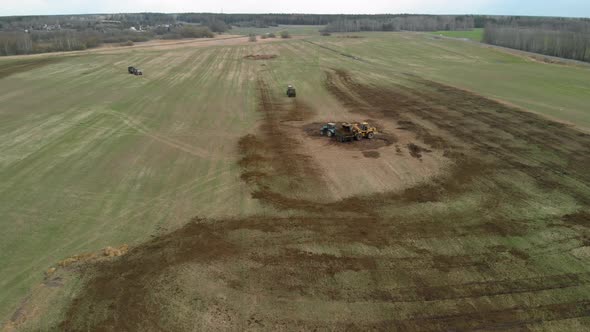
(350, 56)
(134, 124)
(180, 190)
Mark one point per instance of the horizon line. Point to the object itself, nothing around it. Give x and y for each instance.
(285, 13)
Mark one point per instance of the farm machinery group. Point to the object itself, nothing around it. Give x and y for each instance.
(348, 131)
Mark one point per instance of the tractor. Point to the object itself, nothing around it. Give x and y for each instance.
(328, 129)
(134, 71)
(365, 130)
(348, 133)
(291, 93)
(355, 131)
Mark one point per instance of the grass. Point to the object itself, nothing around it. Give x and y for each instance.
(473, 34)
(93, 157)
(557, 91)
(103, 164)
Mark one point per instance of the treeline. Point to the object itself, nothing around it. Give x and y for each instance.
(18, 43)
(402, 22)
(215, 22)
(40, 34)
(560, 37)
(545, 23)
(89, 21)
(259, 20)
(225, 21)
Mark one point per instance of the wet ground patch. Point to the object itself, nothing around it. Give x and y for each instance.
(261, 56)
(371, 154)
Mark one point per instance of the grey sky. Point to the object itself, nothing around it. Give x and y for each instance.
(577, 8)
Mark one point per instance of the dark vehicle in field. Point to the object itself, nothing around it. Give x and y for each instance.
(366, 130)
(329, 129)
(347, 133)
(291, 93)
(355, 131)
(134, 71)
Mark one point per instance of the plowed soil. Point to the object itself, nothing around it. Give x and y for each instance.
(400, 260)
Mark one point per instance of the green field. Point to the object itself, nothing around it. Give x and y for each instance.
(473, 34)
(110, 157)
(486, 227)
(557, 91)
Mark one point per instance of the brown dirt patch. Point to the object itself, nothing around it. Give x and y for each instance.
(371, 154)
(368, 166)
(297, 111)
(382, 102)
(464, 119)
(581, 218)
(260, 56)
(380, 140)
(416, 150)
(281, 265)
(272, 160)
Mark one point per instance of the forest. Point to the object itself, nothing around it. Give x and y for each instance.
(565, 38)
(41, 34)
(402, 23)
(561, 37)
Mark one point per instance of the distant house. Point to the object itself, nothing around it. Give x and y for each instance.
(133, 29)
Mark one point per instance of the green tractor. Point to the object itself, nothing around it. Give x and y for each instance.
(329, 129)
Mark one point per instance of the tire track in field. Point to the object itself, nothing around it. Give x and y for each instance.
(137, 125)
(183, 189)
